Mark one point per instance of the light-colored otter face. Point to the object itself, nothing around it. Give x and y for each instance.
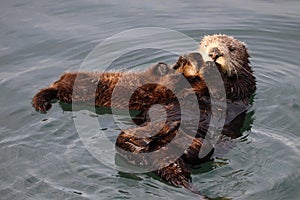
(231, 54)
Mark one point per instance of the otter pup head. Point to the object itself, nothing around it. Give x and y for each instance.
(229, 53)
(189, 65)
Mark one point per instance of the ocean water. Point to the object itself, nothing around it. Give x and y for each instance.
(42, 156)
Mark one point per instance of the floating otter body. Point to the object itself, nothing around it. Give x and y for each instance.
(97, 88)
(231, 58)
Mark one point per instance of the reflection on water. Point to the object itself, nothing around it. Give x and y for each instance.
(42, 156)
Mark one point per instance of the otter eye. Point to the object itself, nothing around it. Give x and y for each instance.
(231, 48)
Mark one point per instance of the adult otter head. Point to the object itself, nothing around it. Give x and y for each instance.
(232, 60)
(229, 53)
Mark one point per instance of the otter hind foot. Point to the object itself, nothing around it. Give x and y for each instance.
(177, 174)
(42, 101)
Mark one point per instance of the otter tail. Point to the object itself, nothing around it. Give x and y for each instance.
(43, 99)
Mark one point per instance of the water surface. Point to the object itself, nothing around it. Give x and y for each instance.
(42, 156)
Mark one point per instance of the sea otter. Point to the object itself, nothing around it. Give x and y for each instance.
(228, 54)
(231, 58)
(97, 88)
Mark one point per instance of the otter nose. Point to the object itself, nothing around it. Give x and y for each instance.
(215, 53)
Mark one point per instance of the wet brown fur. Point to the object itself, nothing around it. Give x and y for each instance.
(97, 89)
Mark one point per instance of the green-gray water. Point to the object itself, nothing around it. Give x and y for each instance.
(42, 156)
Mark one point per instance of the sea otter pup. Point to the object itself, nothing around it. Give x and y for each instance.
(97, 89)
(232, 61)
